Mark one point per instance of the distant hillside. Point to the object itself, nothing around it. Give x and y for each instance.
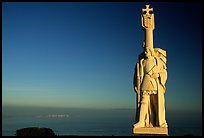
(35, 131)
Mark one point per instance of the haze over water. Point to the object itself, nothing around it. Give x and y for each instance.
(93, 122)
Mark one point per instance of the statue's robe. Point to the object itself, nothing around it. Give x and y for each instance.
(161, 80)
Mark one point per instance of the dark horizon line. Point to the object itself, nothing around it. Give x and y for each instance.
(35, 106)
(90, 108)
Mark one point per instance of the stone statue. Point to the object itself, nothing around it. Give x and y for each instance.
(149, 80)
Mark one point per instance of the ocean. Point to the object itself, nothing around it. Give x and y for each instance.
(92, 122)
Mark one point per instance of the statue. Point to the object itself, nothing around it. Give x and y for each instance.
(149, 80)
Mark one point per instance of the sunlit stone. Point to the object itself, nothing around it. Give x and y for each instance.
(149, 83)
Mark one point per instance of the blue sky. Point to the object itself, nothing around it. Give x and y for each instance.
(84, 54)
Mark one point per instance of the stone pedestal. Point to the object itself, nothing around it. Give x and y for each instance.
(150, 131)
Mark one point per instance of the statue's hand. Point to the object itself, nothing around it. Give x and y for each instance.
(155, 75)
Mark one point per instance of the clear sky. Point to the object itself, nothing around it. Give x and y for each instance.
(84, 54)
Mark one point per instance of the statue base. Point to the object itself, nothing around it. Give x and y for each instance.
(150, 131)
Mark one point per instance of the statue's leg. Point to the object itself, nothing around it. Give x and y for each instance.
(143, 111)
(154, 110)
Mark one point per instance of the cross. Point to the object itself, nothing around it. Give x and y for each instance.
(147, 10)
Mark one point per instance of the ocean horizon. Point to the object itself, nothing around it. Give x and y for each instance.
(92, 122)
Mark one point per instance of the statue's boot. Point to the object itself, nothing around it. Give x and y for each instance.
(139, 124)
(164, 125)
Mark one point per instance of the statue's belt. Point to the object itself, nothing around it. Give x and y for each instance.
(149, 92)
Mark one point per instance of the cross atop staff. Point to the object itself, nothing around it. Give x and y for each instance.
(147, 10)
